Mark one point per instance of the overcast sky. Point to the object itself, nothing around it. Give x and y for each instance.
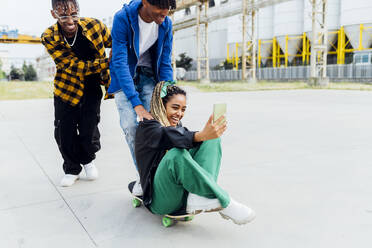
(33, 17)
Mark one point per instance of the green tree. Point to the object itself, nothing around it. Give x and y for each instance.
(16, 74)
(228, 65)
(24, 67)
(184, 61)
(29, 72)
(1, 71)
(224, 65)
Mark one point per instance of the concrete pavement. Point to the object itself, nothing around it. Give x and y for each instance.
(301, 159)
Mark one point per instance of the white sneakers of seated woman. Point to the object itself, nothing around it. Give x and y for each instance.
(237, 212)
(197, 204)
(240, 214)
(91, 173)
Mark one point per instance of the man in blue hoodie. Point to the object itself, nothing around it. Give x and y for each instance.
(141, 57)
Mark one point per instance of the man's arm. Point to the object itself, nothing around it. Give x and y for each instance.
(64, 60)
(119, 61)
(165, 67)
(106, 35)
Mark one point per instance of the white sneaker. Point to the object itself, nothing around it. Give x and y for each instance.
(91, 172)
(238, 213)
(197, 204)
(137, 189)
(69, 180)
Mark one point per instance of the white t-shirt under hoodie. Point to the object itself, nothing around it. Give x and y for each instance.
(148, 36)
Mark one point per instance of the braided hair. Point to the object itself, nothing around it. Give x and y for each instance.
(157, 105)
(64, 3)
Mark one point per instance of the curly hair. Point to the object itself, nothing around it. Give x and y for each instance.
(163, 4)
(157, 105)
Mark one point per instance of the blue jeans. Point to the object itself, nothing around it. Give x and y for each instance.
(128, 117)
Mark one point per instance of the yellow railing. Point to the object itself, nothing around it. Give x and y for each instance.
(21, 39)
(339, 47)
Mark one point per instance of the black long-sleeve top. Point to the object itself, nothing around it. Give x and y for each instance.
(151, 143)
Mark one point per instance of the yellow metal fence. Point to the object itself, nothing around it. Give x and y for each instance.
(279, 56)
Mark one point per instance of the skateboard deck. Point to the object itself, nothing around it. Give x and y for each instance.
(168, 219)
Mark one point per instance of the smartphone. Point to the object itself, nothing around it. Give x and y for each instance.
(219, 109)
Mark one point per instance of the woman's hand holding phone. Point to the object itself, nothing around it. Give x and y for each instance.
(212, 130)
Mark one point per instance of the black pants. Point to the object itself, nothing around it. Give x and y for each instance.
(76, 128)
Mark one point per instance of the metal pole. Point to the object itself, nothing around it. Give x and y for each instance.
(198, 40)
(244, 55)
(303, 48)
(236, 55)
(228, 53)
(360, 46)
(314, 40)
(286, 51)
(206, 46)
(259, 53)
(318, 59)
(274, 52)
(325, 40)
(254, 45)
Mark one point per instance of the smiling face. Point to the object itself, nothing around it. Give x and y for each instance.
(156, 14)
(67, 16)
(175, 109)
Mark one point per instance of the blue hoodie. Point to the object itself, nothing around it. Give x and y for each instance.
(125, 51)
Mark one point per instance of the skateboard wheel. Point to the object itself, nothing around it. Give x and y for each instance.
(188, 218)
(136, 203)
(167, 222)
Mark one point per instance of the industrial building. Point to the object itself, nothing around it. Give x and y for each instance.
(277, 34)
(284, 33)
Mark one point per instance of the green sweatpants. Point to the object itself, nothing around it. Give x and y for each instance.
(182, 171)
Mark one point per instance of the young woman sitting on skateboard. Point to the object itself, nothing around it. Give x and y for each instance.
(179, 168)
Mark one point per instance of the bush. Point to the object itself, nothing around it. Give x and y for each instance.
(30, 73)
(184, 61)
(2, 73)
(16, 73)
(225, 65)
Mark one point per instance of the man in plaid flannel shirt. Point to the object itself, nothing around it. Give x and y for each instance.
(77, 46)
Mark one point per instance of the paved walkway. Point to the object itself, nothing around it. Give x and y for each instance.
(301, 159)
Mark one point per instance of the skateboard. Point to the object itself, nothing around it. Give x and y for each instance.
(168, 219)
